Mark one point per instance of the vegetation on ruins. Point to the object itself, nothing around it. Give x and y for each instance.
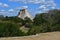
(42, 22)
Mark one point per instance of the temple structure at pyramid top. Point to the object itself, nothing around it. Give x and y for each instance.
(24, 13)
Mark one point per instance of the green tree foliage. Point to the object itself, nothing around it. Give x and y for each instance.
(43, 22)
(34, 30)
(39, 19)
(27, 22)
(10, 30)
(1, 17)
(46, 22)
(14, 19)
(54, 19)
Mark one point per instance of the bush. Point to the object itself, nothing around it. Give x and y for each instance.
(10, 30)
(37, 29)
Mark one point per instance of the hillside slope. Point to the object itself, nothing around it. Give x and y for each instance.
(42, 36)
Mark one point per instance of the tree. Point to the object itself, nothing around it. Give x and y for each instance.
(40, 19)
(48, 21)
(10, 30)
(53, 19)
(27, 22)
(1, 17)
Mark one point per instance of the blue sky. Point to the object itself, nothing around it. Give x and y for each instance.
(12, 7)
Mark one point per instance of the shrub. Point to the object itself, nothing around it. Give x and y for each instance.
(10, 30)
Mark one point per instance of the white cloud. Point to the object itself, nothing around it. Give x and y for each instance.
(42, 7)
(53, 7)
(5, 11)
(31, 1)
(44, 4)
(4, 5)
(21, 7)
(38, 1)
(11, 10)
(2, 10)
(28, 1)
(25, 7)
(0, 4)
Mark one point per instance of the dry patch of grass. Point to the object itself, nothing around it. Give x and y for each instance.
(42, 36)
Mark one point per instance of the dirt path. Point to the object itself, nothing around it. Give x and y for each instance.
(42, 36)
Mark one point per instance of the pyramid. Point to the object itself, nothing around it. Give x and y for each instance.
(24, 13)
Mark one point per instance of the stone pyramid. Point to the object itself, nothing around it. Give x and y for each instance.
(24, 13)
